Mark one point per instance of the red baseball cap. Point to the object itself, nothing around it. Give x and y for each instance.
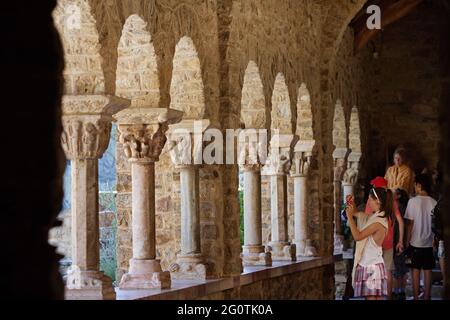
(379, 182)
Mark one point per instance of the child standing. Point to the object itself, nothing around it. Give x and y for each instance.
(369, 272)
(420, 235)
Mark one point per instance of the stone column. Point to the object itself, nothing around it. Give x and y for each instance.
(351, 174)
(185, 143)
(87, 126)
(142, 133)
(253, 252)
(300, 171)
(340, 165)
(277, 167)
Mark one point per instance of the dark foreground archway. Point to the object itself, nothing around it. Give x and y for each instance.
(31, 185)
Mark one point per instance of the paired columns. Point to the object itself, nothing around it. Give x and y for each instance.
(300, 174)
(185, 143)
(87, 126)
(142, 133)
(277, 168)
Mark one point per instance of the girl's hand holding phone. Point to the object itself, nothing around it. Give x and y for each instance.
(350, 205)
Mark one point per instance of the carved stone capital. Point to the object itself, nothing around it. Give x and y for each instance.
(252, 148)
(185, 142)
(143, 131)
(280, 156)
(87, 124)
(301, 164)
(351, 174)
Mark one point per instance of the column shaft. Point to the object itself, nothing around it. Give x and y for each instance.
(85, 224)
(278, 193)
(337, 206)
(300, 212)
(252, 208)
(190, 214)
(143, 220)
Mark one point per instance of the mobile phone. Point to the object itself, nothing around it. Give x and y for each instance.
(349, 200)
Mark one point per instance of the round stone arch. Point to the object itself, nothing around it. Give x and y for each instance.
(281, 115)
(336, 21)
(76, 25)
(253, 104)
(355, 132)
(339, 127)
(187, 89)
(304, 128)
(137, 69)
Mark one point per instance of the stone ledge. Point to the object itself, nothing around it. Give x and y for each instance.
(193, 289)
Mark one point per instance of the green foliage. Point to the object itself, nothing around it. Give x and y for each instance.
(107, 201)
(241, 205)
(108, 261)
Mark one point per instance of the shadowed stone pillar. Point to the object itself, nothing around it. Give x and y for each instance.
(87, 127)
(185, 144)
(300, 172)
(142, 133)
(340, 165)
(253, 252)
(277, 167)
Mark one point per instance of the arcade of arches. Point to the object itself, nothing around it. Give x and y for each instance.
(340, 109)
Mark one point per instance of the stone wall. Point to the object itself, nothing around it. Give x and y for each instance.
(408, 85)
(281, 39)
(308, 285)
(251, 26)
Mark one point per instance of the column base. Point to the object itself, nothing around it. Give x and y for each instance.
(282, 251)
(189, 267)
(310, 250)
(300, 246)
(145, 274)
(255, 256)
(338, 243)
(88, 285)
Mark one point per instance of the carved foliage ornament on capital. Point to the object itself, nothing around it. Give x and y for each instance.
(301, 163)
(85, 137)
(351, 174)
(143, 142)
(185, 142)
(143, 131)
(278, 162)
(252, 149)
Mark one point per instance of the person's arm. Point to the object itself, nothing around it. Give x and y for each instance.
(409, 233)
(401, 228)
(359, 235)
(410, 217)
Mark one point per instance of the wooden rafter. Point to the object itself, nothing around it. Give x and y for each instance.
(391, 11)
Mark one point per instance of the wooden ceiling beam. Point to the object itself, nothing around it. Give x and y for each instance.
(390, 13)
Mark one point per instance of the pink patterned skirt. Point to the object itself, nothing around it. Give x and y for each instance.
(370, 280)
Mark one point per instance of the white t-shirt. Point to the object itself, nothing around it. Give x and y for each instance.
(419, 210)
